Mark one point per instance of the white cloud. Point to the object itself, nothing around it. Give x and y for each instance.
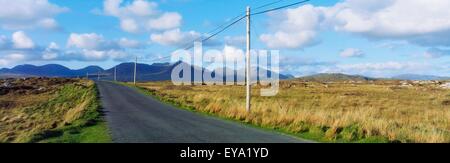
(11, 58)
(174, 37)
(136, 8)
(98, 55)
(53, 46)
(239, 41)
(425, 23)
(381, 69)
(129, 25)
(17, 48)
(93, 41)
(22, 41)
(4, 62)
(94, 54)
(118, 55)
(127, 43)
(141, 15)
(436, 53)
(48, 23)
(392, 45)
(378, 66)
(94, 47)
(49, 55)
(301, 65)
(81, 47)
(294, 28)
(231, 53)
(351, 52)
(289, 40)
(24, 14)
(85, 41)
(3, 41)
(168, 20)
(51, 52)
(391, 18)
(15, 56)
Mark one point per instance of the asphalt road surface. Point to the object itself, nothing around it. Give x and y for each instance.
(136, 118)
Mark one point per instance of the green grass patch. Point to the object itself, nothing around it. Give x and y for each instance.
(83, 123)
(91, 134)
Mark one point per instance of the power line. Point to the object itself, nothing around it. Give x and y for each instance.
(220, 31)
(224, 26)
(236, 18)
(278, 8)
(257, 13)
(243, 14)
(227, 25)
(189, 45)
(268, 4)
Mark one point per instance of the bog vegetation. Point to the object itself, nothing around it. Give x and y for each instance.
(344, 111)
(50, 110)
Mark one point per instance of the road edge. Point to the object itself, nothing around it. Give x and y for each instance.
(145, 92)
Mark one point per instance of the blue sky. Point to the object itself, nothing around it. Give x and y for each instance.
(375, 38)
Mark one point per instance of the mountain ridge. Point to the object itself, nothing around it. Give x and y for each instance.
(419, 77)
(162, 71)
(146, 72)
(49, 70)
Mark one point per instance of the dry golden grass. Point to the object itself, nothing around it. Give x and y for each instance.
(379, 111)
(32, 114)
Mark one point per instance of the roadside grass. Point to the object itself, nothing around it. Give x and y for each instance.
(72, 114)
(152, 93)
(338, 112)
(89, 134)
(83, 123)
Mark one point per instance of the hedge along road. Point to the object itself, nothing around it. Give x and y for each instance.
(135, 118)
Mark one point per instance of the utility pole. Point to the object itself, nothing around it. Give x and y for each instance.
(98, 76)
(115, 73)
(135, 65)
(248, 66)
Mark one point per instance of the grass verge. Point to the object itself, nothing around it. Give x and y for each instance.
(84, 124)
(69, 112)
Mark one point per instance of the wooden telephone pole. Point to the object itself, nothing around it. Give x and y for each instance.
(248, 66)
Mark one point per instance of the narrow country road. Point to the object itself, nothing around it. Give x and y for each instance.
(133, 118)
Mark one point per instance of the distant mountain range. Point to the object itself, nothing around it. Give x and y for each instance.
(50, 70)
(324, 77)
(419, 77)
(162, 71)
(154, 72)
